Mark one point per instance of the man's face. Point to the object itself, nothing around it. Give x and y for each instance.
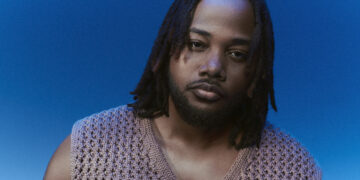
(209, 79)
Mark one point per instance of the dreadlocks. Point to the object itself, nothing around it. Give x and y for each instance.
(152, 92)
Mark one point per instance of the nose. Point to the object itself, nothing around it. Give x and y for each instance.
(213, 67)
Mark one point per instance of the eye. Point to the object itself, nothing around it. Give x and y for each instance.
(196, 45)
(238, 55)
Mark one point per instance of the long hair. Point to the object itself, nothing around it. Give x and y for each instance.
(152, 92)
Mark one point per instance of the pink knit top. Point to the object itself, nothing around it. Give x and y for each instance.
(115, 144)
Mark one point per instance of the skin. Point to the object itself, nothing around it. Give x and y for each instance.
(219, 42)
(59, 165)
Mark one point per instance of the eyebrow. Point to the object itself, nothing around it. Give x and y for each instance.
(235, 41)
(239, 41)
(201, 32)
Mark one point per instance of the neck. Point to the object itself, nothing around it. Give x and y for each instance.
(173, 130)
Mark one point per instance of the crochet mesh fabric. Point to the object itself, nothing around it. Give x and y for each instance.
(115, 144)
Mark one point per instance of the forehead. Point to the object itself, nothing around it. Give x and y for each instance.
(235, 16)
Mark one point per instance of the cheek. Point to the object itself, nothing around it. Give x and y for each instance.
(189, 61)
(177, 72)
(182, 69)
(174, 72)
(238, 78)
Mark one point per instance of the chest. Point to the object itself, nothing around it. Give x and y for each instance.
(198, 165)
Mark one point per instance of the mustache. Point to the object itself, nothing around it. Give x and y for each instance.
(206, 84)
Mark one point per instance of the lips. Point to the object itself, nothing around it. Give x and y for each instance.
(206, 91)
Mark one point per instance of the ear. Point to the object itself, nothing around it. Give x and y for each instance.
(250, 90)
(252, 86)
(155, 65)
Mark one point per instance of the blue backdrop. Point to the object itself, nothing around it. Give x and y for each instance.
(61, 60)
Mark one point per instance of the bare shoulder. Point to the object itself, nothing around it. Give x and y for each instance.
(59, 165)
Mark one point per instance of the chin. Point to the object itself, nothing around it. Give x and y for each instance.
(204, 115)
(206, 106)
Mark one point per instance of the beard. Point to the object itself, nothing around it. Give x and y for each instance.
(205, 119)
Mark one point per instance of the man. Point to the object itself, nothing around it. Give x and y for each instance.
(200, 107)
